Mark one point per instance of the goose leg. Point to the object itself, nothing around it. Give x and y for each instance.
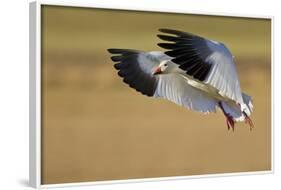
(248, 121)
(229, 119)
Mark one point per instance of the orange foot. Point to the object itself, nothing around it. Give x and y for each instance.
(229, 121)
(248, 121)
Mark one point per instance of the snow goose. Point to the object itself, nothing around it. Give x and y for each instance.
(193, 72)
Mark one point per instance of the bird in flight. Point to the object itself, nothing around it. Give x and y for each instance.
(193, 72)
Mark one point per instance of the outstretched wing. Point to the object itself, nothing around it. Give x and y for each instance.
(205, 60)
(135, 67)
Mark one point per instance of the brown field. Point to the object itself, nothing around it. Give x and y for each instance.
(94, 127)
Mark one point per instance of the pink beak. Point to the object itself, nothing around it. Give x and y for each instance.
(157, 71)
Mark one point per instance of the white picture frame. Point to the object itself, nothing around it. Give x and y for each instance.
(35, 94)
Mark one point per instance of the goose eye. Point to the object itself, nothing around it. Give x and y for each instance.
(166, 65)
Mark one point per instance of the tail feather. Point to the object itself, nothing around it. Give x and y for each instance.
(235, 110)
(248, 101)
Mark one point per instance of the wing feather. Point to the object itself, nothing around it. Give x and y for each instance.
(205, 60)
(135, 67)
(174, 88)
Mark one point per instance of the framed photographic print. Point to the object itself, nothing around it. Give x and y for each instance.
(119, 95)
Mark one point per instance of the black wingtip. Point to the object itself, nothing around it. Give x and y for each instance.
(116, 58)
(117, 66)
(170, 31)
(114, 50)
(166, 45)
(168, 38)
(161, 36)
(122, 51)
(164, 30)
(178, 33)
(109, 50)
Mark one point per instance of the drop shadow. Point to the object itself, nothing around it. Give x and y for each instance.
(24, 182)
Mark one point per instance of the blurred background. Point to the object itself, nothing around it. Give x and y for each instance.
(94, 127)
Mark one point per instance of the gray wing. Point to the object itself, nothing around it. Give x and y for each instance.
(135, 67)
(205, 60)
